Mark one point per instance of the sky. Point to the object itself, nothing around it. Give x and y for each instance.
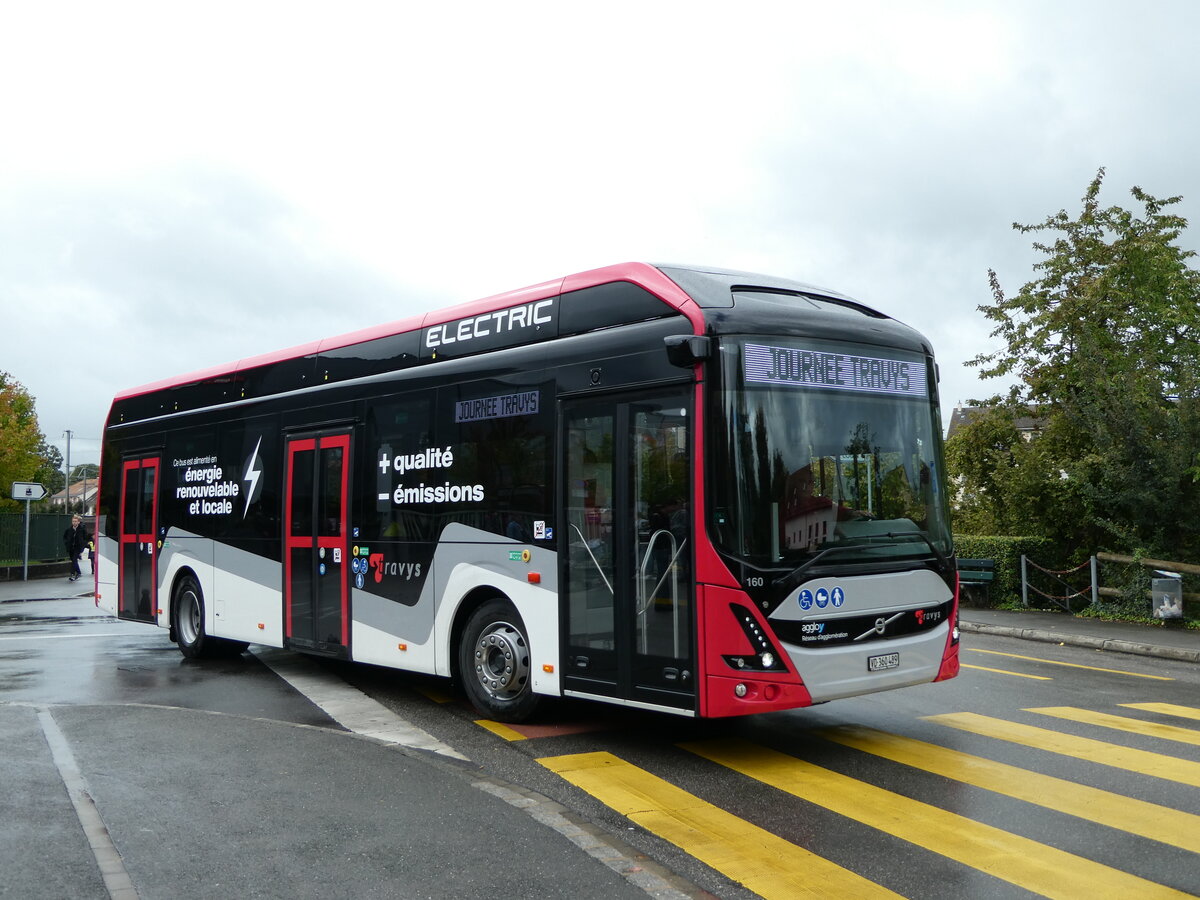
(184, 185)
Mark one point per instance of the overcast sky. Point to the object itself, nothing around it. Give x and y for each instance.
(183, 185)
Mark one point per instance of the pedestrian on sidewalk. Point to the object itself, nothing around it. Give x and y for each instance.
(76, 539)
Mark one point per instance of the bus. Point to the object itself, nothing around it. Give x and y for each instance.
(696, 491)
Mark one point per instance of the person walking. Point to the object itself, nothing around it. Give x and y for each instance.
(76, 539)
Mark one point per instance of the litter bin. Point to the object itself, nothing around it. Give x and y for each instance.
(1166, 598)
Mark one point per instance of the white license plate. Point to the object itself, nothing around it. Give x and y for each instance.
(879, 663)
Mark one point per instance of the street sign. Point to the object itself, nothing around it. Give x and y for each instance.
(28, 490)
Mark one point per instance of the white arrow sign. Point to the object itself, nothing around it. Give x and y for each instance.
(28, 490)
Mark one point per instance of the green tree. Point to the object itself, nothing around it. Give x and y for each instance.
(984, 458)
(20, 439)
(51, 471)
(1103, 345)
(90, 471)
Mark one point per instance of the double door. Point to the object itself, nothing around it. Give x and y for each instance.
(139, 540)
(627, 548)
(316, 549)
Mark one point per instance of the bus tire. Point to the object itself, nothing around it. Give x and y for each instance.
(495, 663)
(187, 621)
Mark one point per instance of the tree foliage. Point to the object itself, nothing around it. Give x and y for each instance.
(21, 441)
(1103, 347)
(51, 472)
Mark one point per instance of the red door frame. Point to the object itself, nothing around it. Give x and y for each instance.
(138, 537)
(315, 541)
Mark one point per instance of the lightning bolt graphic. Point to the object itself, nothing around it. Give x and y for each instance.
(253, 473)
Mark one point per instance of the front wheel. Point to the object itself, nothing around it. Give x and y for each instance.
(494, 662)
(187, 619)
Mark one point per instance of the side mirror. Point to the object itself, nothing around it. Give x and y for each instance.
(686, 350)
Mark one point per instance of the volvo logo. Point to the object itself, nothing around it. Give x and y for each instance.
(880, 626)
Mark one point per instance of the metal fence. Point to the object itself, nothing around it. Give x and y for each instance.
(45, 536)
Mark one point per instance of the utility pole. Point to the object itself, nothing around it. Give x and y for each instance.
(67, 495)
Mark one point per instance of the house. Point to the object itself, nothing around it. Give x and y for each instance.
(80, 494)
(1028, 427)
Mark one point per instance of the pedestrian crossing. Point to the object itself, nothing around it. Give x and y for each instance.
(768, 865)
(782, 862)
(1105, 753)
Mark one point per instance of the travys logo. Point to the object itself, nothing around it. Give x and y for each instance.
(380, 567)
(927, 615)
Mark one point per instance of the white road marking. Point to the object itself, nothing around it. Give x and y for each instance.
(112, 867)
(347, 705)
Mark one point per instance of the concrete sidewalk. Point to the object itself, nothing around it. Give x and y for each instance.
(55, 588)
(1164, 642)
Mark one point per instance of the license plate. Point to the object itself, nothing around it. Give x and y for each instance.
(879, 663)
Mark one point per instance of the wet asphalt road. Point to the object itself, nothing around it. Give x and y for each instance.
(217, 778)
(220, 776)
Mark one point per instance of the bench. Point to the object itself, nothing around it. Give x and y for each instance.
(976, 575)
(976, 571)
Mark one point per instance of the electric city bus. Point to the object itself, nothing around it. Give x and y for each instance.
(702, 492)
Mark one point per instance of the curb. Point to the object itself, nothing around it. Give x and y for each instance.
(45, 599)
(1078, 640)
(36, 570)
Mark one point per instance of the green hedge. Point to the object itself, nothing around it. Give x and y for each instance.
(1007, 552)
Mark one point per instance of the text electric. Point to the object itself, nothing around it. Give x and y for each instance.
(494, 323)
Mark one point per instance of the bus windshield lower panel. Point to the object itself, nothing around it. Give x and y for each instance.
(831, 449)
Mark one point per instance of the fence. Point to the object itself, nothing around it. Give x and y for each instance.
(1191, 601)
(45, 537)
(1064, 592)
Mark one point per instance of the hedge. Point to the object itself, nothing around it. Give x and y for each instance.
(1007, 553)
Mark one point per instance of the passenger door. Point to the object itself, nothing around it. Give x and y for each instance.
(626, 549)
(137, 589)
(316, 544)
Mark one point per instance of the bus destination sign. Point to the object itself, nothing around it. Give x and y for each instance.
(834, 371)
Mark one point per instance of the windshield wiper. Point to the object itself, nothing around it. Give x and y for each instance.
(921, 536)
(793, 578)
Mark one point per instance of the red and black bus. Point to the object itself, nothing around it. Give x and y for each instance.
(704, 492)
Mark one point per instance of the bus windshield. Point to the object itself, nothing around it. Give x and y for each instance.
(827, 448)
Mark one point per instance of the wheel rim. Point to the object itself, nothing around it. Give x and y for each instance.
(189, 617)
(502, 661)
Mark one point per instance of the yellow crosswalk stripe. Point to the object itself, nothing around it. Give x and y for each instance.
(1121, 723)
(500, 730)
(1012, 858)
(1006, 672)
(1055, 662)
(1158, 823)
(765, 863)
(1167, 709)
(436, 695)
(1105, 754)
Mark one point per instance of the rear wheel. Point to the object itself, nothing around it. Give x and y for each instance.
(494, 662)
(187, 619)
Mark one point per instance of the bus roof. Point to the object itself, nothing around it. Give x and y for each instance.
(642, 274)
